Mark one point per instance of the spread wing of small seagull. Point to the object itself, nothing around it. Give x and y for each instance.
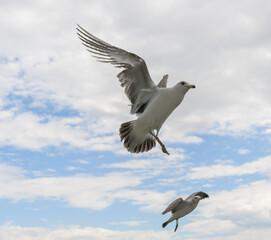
(174, 206)
(150, 102)
(179, 208)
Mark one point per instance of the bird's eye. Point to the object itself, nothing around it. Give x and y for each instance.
(182, 83)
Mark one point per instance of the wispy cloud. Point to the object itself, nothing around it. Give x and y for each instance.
(29, 131)
(240, 203)
(261, 165)
(130, 223)
(72, 168)
(10, 231)
(243, 151)
(83, 191)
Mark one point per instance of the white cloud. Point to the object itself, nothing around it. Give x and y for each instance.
(152, 201)
(72, 168)
(243, 151)
(13, 232)
(261, 165)
(10, 172)
(210, 227)
(207, 185)
(216, 228)
(82, 191)
(130, 223)
(134, 164)
(30, 131)
(247, 205)
(223, 161)
(82, 161)
(154, 164)
(188, 232)
(251, 233)
(43, 173)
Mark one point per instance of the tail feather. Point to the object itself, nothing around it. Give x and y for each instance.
(125, 129)
(165, 224)
(132, 142)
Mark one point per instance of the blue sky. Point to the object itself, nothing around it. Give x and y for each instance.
(64, 173)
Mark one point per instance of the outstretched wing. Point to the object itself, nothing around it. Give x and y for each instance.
(200, 194)
(135, 77)
(174, 206)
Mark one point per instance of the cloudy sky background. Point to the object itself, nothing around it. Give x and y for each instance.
(64, 173)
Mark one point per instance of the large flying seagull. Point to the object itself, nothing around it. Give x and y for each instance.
(150, 102)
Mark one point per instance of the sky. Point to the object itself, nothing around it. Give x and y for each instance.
(64, 174)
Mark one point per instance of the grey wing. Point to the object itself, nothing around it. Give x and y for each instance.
(174, 206)
(200, 194)
(135, 77)
(163, 82)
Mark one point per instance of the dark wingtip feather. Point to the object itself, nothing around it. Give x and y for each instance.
(164, 224)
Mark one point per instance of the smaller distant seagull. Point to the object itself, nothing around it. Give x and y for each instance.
(150, 102)
(180, 207)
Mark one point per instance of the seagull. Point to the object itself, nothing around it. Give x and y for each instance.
(151, 103)
(180, 207)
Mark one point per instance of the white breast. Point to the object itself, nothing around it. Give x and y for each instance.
(161, 107)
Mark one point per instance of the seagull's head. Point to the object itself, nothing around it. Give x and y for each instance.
(196, 199)
(185, 85)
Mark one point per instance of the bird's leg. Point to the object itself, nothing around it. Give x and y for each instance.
(164, 150)
(177, 225)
